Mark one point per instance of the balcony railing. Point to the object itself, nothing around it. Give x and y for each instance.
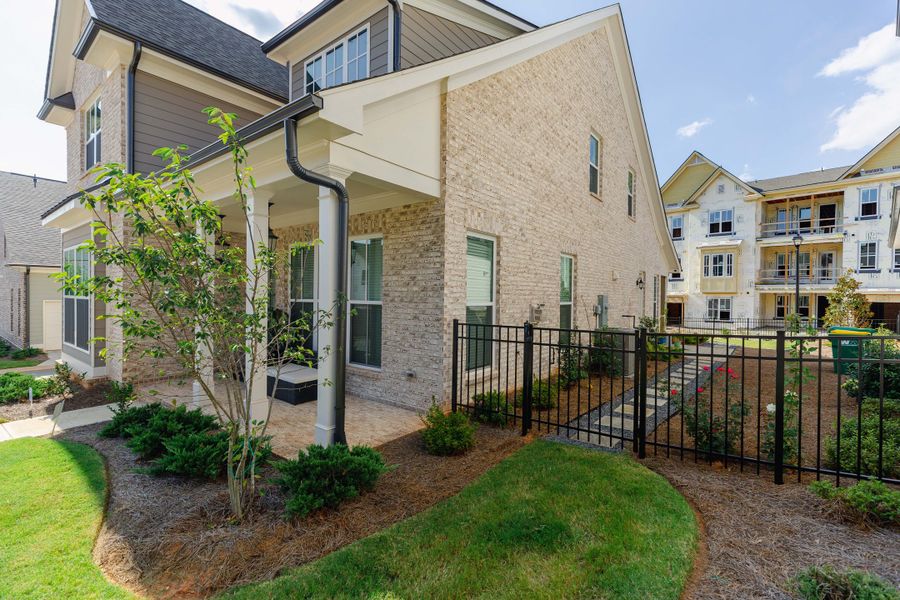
(770, 229)
(816, 276)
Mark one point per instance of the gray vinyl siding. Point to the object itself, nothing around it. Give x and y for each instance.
(69, 239)
(167, 115)
(428, 37)
(378, 51)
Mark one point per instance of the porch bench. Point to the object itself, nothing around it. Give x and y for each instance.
(296, 385)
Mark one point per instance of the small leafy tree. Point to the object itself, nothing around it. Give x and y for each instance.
(847, 307)
(178, 298)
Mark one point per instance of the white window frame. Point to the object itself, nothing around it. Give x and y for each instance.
(315, 299)
(717, 217)
(493, 303)
(672, 227)
(351, 302)
(676, 276)
(897, 259)
(76, 298)
(92, 155)
(782, 303)
(863, 268)
(726, 264)
(631, 193)
(719, 304)
(594, 138)
(862, 193)
(571, 302)
(323, 57)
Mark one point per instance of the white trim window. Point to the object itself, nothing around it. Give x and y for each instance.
(594, 166)
(781, 307)
(721, 222)
(868, 256)
(718, 309)
(676, 227)
(897, 259)
(480, 300)
(630, 191)
(676, 276)
(344, 62)
(77, 299)
(868, 203)
(92, 130)
(566, 290)
(366, 277)
(718, 265)
(305, 289)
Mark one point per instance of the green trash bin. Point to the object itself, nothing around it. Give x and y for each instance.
(845, 346)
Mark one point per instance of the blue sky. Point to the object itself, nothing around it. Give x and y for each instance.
(759, 86)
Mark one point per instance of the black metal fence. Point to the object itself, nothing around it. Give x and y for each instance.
(807, 406)
(748, 326)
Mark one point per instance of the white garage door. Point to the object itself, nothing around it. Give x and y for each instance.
(52, 325)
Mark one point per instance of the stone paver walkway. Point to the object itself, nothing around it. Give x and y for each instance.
(610, 425)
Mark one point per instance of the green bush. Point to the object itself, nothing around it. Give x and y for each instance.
(543, 395)
(867, 501)
(14, 387)
(490, 408)
(447, 434)
(573, 366)
(121, 394)
(605, 358)
(867, 381)
(128, 419)
(869, 428)
(148, 441)
(202, 455)
(826, 583)
(326, 477)
(25, 353)
(4, 348)
(61, 382)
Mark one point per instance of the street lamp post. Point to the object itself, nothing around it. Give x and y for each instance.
(798, 241)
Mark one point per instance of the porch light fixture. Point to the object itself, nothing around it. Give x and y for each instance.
(640, 283)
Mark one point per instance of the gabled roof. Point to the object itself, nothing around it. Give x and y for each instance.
(684, 187)
(22, 200)
(188, 34)
(893, 139)
(798, 180)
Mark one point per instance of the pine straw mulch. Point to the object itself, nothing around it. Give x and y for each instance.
(172, 538)
(86, 395)
(759, 535)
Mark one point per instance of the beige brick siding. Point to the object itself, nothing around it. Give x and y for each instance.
(516, 152)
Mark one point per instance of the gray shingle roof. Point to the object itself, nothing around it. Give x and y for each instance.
(22, 200)
(800, 179)
(182, 31)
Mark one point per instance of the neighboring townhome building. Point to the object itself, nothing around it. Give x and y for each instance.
(738, 242)
(29, 256)
(497, 172)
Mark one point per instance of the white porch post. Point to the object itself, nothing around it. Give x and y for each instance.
(329, 205)
(257, 235)
(204, 358)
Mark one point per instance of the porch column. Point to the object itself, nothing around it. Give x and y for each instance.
(328, 343)
(257, 236)
(204, 358)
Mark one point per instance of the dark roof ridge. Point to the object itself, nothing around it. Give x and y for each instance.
(51, 179)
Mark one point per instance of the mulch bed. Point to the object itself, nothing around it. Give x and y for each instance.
(758, 536)
(86, 395)
(172, 537)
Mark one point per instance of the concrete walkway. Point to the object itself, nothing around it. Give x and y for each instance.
(41, 426)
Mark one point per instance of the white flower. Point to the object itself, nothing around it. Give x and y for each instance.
(771, 408)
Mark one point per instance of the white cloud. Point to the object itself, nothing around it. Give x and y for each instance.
(745, 174)
(751, 99)
(692, 129)
(876, 57)
(259, 18)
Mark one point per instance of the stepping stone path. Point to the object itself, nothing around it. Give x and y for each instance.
(613, 423)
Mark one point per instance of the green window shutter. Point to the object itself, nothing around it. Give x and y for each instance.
(479, 271)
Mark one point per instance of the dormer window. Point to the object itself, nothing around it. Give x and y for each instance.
(92, 136)
(345, 62)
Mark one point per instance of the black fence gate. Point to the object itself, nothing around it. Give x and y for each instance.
(792, 406)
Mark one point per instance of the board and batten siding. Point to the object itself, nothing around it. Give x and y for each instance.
(427, 37)
(378, 51)
(167, 115)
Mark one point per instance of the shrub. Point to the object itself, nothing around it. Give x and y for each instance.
(710, 434)
(866, 382)
(326, 477)
(4, 348)
(447, 434)
(826, 583)
(148, 440)
(120, 394)
(664, 352)
(870, 502)
(573, 366)
(203, 455)
(490, 408)
(25, 353)
(543, 395)
(606, 355)
(129, 419)
(869, 429)
(14, 387)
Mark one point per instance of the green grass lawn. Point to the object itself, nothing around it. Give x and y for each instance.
(8, 363)
(52, 496)
(552, 521)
